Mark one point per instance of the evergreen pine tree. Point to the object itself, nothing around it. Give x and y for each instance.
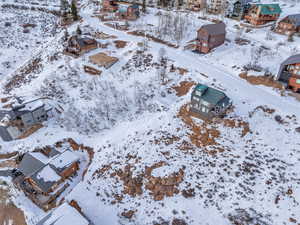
(74, 10)
(78, 31)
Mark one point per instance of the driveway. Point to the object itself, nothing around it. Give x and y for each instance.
(5, 173)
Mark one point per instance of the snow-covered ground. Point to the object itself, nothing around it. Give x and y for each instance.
(130, 118)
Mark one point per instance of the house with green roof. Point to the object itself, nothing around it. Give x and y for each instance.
(207, 102)
(260, 14)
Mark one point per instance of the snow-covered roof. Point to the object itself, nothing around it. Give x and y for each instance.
(48, 174)
(64, 215)
(31, 106)
(40, 156)
(45, 178)
(64, 160)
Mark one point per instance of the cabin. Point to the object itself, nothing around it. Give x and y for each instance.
(77, 46)
(44, 171)
(19, 117)
(259, 14)
(289, 25)
(65, 214)
(210, 36)
(196, 5)
(127, 11)
(207, 102)
(289, 72)
(109, 6)
(236, 9)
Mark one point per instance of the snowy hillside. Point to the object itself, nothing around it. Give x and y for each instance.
(153, 163)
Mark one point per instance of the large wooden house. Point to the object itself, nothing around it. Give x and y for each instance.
(127, 11)
(20, 117)
(109, 6)
(210, 36)
(260, 14)
(289, 72)
(78, 45)
(196, 5)
(43, 172)
(207, 102)
(236, 9)
(289, 25)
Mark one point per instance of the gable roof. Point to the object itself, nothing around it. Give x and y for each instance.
(215, 29)
(291, 60)
(63, 161)
(64, 215)
(45, 178)
(30, 164)
(295, 19)
(269, 9)
(211, 95)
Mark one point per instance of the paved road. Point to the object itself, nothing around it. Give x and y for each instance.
(5, 173)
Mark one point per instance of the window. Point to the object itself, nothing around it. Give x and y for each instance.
(298, 81)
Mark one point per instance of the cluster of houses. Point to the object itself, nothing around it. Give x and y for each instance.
(77, 45)
(208, 102)
(118, 10)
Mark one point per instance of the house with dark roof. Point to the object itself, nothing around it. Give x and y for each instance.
(128, 11)
(210, 36)
(236, 9)
(207, 102)
(77, 45)
(289, 72)
(65, 214)
(289, 25)
(44, 172)
(109, 6)
(259, 14)
(19, 118)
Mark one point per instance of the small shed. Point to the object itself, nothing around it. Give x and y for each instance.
(207, 102)
(103, 60)
(210, 36)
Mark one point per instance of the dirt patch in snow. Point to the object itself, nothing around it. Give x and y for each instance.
(25, 74)
(201, 135)
(132, 185)
(183, 88)
(11, 163)
(181, 71)
(237, 123)
(206, 133)
(8, 155)
(161, 187)
(120, 44)
(9, 213)
(152, 38)
(261, 80)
